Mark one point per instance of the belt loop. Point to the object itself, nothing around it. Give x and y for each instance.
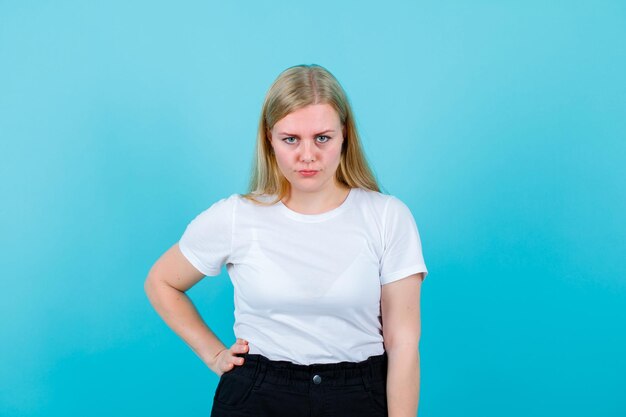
(290, 377)
(259, 373)
(366, 377)
(379, 366)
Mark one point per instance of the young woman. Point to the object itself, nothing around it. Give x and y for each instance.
(326, 271)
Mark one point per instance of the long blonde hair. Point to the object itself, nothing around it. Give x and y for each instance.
(297, 87)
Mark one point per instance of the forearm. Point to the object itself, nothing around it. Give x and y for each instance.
(179, 313)
(403, 381)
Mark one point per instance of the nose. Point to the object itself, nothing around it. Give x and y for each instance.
(308, 151)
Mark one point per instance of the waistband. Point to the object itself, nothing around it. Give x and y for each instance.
(373, 369)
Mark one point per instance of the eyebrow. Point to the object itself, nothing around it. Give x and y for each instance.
(317, 134)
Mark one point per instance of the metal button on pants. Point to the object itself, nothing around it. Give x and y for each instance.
(265, 388)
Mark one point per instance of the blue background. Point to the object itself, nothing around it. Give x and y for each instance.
(502, 125)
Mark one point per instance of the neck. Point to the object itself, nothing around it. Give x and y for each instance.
(316, 202)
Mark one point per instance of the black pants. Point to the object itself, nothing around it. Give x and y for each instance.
(262, 387)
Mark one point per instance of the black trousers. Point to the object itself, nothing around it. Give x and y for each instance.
(265, 388)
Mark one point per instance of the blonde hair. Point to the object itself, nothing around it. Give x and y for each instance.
(297, 87)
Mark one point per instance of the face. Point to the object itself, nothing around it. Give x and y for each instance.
(309, 138)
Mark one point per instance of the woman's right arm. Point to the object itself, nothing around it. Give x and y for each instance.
(168, 280)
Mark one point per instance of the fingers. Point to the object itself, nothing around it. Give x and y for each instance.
(240, 346)
(229, 363)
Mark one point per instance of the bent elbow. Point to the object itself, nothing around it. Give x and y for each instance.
(150, 285)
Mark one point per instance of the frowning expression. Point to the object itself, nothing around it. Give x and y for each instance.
(307, 144)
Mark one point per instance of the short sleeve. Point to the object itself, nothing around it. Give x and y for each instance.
(207, 239)
(402, 249)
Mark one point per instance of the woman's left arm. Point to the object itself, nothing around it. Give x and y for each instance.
(400, 310)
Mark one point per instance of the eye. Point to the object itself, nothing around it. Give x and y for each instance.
(327, 138)
(286, 140)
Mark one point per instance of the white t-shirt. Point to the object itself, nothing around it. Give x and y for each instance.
(307, 286)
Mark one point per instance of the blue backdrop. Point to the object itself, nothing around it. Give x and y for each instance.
(502, 125)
